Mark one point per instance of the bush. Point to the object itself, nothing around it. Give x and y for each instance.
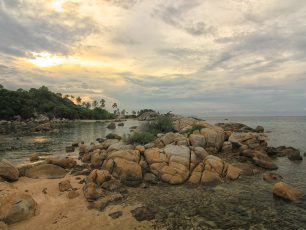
(141, 138)
(163, 124)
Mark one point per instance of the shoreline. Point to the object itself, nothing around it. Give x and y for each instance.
(111, 175)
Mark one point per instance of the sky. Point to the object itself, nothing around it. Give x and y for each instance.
(194, 57)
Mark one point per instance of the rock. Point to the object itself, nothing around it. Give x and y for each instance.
(113, 136)
(227, 147)
(102, 203)
(115, 215)
(197, 140)
(83, 148)
(284, 191)
(196, 175)
(133, 127)
(265, 164)
(119, 146)
(256, 141)
(92, 192)
(121, 124)
(15, 206)
(152, 155)
(97, 158)
(143, 213)
(130, 155)
(64, 186)
(8, 171)
(128, 172)
(140, 148)
(69, 149)
(150, 178)
(62, 161)
(112, 185)
(259, 129)
(73, 194)
(112, 125)
(98, 177)
(235, 127)
(214, 137)
(210, 178)
(270, 177)
(292, 153)
(171, 137)
(45, 171)
(148, 116)
(3, 226)
(109, 142)
(201, 152)
(34, 157)
(233, 173)
(75, 144)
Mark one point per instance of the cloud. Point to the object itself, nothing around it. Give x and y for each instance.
(193, 57)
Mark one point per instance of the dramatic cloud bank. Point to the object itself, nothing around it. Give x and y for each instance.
(192, 57)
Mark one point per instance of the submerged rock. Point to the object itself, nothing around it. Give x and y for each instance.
(112, 125)
(285, 191)
(270, 177)
(8, 171)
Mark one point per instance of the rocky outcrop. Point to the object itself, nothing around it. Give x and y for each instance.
(285, 191)
(8, 171)
(147, 116)
(259, 158)
(281, 151)
(45, 171)
(112, 125)
(256, 141)
(15, 206)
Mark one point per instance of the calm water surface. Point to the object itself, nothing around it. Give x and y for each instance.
(244, 204)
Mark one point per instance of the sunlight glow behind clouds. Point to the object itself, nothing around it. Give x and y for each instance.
(197, 57)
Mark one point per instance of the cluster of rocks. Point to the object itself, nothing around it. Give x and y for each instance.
(209, 155)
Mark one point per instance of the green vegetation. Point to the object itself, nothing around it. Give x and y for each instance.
(141, 138)
(162, 124)
(42, 101)
(139, 113)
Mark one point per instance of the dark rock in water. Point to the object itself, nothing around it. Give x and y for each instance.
(34, 157)
(115, 215)
(75, 144)
(133, 127)
(281, 151)
(143, 213)
(113, 136)
(259, 129)
(112, 125)
(265, 164)
(121, 124)
(100, 139)
(270, 177)
(45, 171)
(8, 171)
(69, 149)
(305, 154)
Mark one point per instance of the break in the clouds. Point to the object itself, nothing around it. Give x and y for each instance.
(193, 57)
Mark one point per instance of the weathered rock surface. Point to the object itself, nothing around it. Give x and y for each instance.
(281, 151)
(45, 171)
(8, 171)
(64, 186)
(143, 213)
(256, 141)
(15, 206)
(62, 161)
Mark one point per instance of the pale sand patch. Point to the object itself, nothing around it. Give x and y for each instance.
(57, 212)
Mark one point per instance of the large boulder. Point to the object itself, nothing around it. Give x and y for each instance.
(62, 161)
(292, 153)
(171, 137)
(214, 137)
(128, 172)
(119, 146)
(15, 206)
(285, 191)
(256, 141)
(98, 177)
(97, 158)
(197, 140)
(8, 171)
(45, 171)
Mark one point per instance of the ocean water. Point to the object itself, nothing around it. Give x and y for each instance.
(247, 203)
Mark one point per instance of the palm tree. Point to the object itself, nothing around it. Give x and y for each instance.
(79, 100)
(134, 112)
(102, 103)
(87, 105)
(115, 105)
(123, 112)
(94, 104)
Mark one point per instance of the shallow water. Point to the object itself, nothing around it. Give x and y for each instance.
(18, 148)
